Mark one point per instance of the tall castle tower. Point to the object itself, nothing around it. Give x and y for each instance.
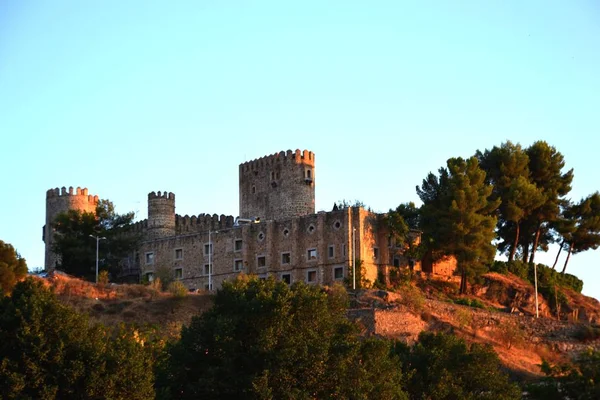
(161, 215)
(278, 186)
(59, 201)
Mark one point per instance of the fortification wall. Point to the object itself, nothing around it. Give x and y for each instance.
(278, 186)
(202, 223)
(59, 201)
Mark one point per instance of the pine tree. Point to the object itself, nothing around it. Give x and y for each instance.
(457, 215)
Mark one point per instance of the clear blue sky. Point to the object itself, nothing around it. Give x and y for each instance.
(128, 97)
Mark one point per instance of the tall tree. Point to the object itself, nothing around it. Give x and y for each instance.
(458, 215)
(77, 250)
(265, 340)
(507, 169)
(442, 366)
(49, 351)
(12, 267)
(545, 165)
(586, 233)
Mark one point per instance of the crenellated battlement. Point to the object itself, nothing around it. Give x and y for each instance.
(161, 195)
(63, 192)
(298, 157)
(203, 222)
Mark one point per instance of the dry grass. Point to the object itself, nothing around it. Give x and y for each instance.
(132, 304)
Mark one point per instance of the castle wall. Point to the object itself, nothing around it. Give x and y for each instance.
(278, 186)
(316, 249)
(59, 201)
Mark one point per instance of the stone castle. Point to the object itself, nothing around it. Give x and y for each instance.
(277, 232)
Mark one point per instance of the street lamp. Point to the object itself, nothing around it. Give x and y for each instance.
(353, 259)
(98, 239)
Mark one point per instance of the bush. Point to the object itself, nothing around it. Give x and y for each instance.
(177, 289)
(470, 303)
(49, 351)
(413, 298)
(443, 366)
(546, 275)
(12, 267)
(263, 339)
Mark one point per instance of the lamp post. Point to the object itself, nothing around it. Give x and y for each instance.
(98, 239)
(353, 259)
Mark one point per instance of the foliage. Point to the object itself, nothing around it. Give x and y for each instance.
(163, 275)
(48, 351)
(457, 218)
(584, 231)
(511, 334)
(76, 250)
(263, 339)
(12, 267)
(361, 281)
(103, 278)
(578, 381)
(413, 298)
(475, 303)
(547, 277)
(177, 289)
(443, 366)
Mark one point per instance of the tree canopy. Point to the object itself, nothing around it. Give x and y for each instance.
(263, 339)
(443, 366)
(77, 250)
(12, 267)
(49, 351)
(457, 215)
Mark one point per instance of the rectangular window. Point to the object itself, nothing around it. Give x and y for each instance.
(311, 254)
(238, 265)
(286, 258)
(396, 262)
(150, 276)
(179, 254)
(237, 246)
(179, 273)
(331, 251)
(344, 250)
(338, 273)
(311, 276)
(261, 261)
(287, 278)
(375, 253)
(208, 248)
(207, 269)
(149, 258)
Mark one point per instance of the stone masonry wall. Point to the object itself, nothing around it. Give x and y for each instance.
(59, 201)
(278, 186)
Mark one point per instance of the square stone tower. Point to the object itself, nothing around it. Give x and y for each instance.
(278, 186)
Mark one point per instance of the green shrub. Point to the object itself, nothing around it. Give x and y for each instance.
(413, 298)
(177, 289)
(469, 302)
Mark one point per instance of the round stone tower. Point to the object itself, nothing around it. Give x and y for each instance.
(59, 201)
(278, 186)
(161, 215)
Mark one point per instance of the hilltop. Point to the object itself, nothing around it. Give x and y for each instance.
(499, 311)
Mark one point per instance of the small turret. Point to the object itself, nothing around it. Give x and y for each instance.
(161, 215)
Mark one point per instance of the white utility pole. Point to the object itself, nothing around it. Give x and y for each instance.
(353, 259)
(98, 239)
